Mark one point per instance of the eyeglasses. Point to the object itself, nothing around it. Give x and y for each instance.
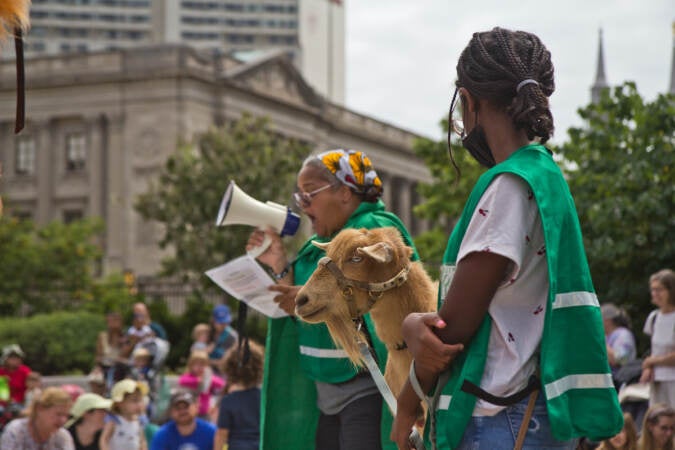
(304, 199)
(455, 119)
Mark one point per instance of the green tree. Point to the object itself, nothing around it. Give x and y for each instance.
(444, 195)
(47, 268)
(621, 173)
(187, 196)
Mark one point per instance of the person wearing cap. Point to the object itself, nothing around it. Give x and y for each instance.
(123, 430)
(185, 429)
(86, 421)
(201, 380)
(12, 367)
(225, 335)
(620, 340)
(312, 396)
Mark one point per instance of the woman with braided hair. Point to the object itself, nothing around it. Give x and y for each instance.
(515, 289)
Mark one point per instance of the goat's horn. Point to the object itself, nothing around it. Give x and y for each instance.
(380, 252)
(322, 245)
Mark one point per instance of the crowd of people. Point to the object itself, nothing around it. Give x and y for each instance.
(214, 405)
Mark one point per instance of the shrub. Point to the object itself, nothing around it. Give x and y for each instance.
(57, 343)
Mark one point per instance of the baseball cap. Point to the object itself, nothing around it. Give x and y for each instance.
(13, 349)
(221, 314)
(126, 386)
(181, 395)
(84, 403)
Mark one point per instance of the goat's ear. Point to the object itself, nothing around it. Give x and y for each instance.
(322, 245)
(380, 252)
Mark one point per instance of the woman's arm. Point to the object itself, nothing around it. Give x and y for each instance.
(99, 346)
(220, 439)
(477, 278)
(662, 360)
(108, 430)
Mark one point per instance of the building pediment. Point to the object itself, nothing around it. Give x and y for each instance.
(275, 76)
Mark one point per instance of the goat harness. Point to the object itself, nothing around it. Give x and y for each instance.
(375, 290)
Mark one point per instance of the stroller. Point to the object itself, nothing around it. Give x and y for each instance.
(156, 350)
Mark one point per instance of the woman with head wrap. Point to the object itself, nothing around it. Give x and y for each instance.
(313, 397)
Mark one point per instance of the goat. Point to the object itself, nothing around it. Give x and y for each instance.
(368, 271)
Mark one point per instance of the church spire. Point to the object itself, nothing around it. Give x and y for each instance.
(672, 68)
(600, 79)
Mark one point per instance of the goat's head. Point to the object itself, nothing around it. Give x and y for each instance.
(370, 262)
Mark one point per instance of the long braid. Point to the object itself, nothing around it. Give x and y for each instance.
(495, 62)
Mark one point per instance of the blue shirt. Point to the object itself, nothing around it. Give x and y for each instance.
(226, 340)
(240, 415)
(168, 437)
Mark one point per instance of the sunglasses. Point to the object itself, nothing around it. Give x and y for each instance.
(304, 199)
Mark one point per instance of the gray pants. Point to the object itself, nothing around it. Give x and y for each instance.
(356, 427)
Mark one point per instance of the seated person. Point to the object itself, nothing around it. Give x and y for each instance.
(224, 335)
(185, 429)
(12, 367)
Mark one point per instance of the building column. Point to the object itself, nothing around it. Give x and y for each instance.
(387, 188)
(115, 207)
(47, 169)
(95, 167)
(401, 199)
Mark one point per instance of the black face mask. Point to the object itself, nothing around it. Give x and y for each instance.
(476, 143)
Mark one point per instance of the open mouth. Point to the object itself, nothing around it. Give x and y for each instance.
(311, 314)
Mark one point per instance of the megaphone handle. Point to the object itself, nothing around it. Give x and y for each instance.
(257, 251)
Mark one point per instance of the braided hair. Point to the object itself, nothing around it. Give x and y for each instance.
(493, 66)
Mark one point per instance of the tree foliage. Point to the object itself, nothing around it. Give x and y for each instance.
(444, 196)
(190, 188)
(622, 176)
(46, 268)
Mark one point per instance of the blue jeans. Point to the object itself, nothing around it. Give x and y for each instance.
(501, 430)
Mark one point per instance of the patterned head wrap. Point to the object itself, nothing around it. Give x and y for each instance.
(354, 169)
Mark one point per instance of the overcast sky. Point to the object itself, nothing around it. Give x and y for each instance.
(401, 54)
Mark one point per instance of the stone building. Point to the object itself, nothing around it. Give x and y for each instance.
(100, 125)
(310, 31)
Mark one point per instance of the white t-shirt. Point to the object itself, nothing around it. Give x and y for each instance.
(127, 434)
(507, 222)
(661, 328)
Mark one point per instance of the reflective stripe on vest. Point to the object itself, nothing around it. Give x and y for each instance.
(570, 299)
(578, 381)
(323, 352)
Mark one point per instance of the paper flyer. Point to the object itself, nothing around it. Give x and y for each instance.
(244, 279)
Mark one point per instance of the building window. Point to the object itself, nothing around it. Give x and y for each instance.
(76, 152)
(25, 156)
(72, 215)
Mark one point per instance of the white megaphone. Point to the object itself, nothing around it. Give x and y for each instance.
(238, 208)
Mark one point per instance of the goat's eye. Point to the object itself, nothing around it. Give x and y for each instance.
(356, 259)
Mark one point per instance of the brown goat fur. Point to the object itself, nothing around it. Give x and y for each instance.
(373, 256)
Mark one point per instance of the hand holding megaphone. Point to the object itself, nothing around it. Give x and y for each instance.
(238, 208)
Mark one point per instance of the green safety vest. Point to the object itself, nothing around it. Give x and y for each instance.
(575, 375)
(297, 354)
